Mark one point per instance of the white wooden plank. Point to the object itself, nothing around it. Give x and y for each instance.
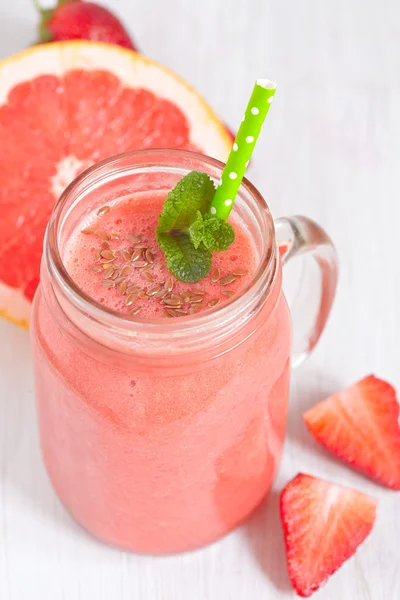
(331, 150)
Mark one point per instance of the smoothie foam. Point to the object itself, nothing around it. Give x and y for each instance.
(139, 215)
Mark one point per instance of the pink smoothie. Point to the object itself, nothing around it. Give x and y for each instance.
(138, 215)
(158, 454)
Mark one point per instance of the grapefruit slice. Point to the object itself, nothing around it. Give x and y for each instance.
(63, 107)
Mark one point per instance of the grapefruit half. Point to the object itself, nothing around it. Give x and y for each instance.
(63, 107)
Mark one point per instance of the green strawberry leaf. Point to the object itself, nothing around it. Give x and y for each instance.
(214, 233)
(186, 262)
(193, 192)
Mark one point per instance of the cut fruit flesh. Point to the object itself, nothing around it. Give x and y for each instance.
(63, 107)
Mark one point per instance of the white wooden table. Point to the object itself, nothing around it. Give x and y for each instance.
(330, 149)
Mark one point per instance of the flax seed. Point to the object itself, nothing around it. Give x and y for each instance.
(193, 310)
(108, 283)
(105, 245)
(149, 256)
(133, 289)
(168, 312)
(172, 304)
(116, 273)
(169, 284)
(103, 236)
(230, 278)
(136, 310)
(228, 293)
(214, 302)
(181, 311)
(134, 239)
(122, 288)
(103, 211)
(87, 231)
(239, 272)
(96, 255)
(108, 273)
(215, 275)
(137, 255)
(108, 254)
(161, 294)
(142, 294)
(126, 270)
(125, 255)
(152, 291)
(196, 299)
(96, 268)
(114, 236)
(131, 299)
(197, 292)
(139, 263)
(148, 267)
(141, 246)
(148, 276)
(107, 260)
(118, 280)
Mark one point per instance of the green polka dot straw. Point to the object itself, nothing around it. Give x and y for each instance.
(242, 149)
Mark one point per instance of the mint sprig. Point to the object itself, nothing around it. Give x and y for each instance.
(193, 192)
(214, 233)
(187, 233)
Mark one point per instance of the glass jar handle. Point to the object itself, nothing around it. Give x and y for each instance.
(310, 289)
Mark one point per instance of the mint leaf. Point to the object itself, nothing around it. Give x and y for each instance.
(186, 262)
(196, 229)
(193, 192)
(186, 233)
(214, 233)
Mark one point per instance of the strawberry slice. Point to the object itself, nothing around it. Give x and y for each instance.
(361, 426)
(283, 247)
(324, 524)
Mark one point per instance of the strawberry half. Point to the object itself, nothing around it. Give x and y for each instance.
(324, 524)
(361, 426)
(76, 20)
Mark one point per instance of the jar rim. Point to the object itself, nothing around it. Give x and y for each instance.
(240, 304)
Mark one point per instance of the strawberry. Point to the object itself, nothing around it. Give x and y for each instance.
(76, 20)
(361, 426)
(323, 525)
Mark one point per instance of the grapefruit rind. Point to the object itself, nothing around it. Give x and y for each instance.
(18, 307)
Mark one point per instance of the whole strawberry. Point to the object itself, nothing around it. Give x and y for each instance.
(77, 20)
